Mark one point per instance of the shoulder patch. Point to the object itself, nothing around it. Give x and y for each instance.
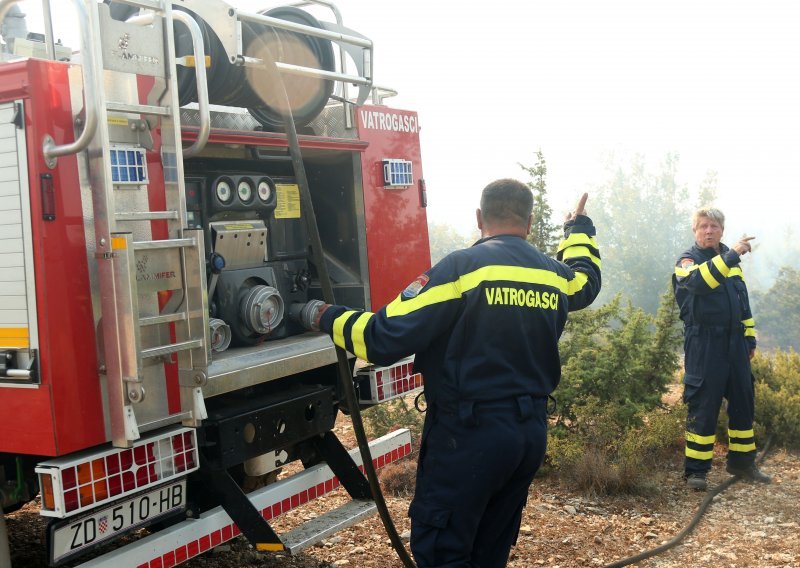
(686, 262)
(414, 288)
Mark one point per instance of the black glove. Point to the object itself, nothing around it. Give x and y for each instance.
(308, 314)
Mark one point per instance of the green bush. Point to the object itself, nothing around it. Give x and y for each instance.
(777, 375)
(603, 457)
(622, 358)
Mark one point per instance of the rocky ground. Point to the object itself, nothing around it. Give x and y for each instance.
(746, 526)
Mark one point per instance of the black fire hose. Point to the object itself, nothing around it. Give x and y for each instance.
(692, 524)
(345, 376)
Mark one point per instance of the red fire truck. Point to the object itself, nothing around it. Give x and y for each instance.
(154, 238)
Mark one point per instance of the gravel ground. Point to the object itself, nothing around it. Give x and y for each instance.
(747, 526)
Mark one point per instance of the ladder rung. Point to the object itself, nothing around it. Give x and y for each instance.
(138, 109)
(165, 244)
(171, 348)
(167, 318)
(146, 215)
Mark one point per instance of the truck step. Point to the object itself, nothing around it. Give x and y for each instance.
(313, 531)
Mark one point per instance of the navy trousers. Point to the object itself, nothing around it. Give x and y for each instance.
(476, 464)
(717, 367)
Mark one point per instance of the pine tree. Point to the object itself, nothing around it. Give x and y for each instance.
(544, 234)
(708, 190)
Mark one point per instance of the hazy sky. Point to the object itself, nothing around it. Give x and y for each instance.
(714, 81)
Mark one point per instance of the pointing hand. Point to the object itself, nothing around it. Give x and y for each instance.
(743, 246)
(580, 208)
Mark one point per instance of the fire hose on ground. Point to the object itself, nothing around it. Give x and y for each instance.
(692, 524)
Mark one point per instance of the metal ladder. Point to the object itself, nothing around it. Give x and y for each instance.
(151, 269)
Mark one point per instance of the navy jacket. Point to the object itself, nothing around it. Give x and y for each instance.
(484, 322)
(710, 290)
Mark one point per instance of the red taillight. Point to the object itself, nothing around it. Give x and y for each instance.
(79, 484)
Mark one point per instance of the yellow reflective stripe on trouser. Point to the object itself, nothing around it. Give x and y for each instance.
(707, 441)
(698, 439)
(338, 328)
(741, 433)
(749, 332)
(690, 453)
(580, 251)
(577, 239)
(359, 346)
(734, 446)
(706, 274)
(749, 322)
(471, 280)
(721, 266)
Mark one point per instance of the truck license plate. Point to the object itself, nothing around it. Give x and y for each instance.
(74, 535)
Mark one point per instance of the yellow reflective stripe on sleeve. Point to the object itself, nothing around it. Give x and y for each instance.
(742, 447)
(690, 453)
(359, 346)
(706, 274)
(698, 439)
(577, 239)
(471, 280)
(736, 271)
(435, 295)
(749, 332)
(749, 322)
(338, 328)
(681, 272)
(741, 433)
(723, 268)
(581, 251)
(577, 283)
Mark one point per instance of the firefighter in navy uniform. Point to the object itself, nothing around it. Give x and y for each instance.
(719, 341)
(484, 324)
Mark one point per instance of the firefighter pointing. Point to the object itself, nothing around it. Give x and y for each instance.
(719, 341)
(484, 324)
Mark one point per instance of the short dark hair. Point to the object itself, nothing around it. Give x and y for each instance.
(506, 200)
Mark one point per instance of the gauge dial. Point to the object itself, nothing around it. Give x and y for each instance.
(264, 190)
(245, 190)
(224, 191)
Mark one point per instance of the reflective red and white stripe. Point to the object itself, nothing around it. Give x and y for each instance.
(379, 384)
(192, 537)
(78, 483)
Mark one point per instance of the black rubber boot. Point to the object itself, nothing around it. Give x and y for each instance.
(696, 481)
(750, 472)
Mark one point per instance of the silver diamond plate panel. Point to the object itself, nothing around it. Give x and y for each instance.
(331, 123)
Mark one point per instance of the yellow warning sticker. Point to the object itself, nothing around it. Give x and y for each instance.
(238, 226)
(288, 201)
(117, 121)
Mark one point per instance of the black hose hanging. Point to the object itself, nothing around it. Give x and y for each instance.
(345, 377)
